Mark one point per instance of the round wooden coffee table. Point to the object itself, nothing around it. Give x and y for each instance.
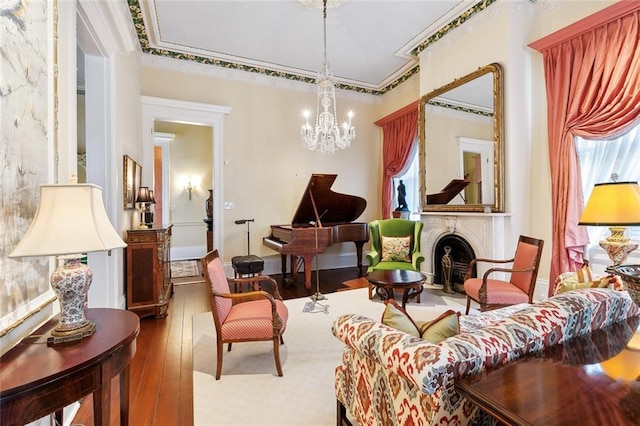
(385, 282)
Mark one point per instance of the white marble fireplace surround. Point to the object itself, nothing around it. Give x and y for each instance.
(485, 232)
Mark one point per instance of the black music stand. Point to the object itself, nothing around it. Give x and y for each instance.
(249, 265)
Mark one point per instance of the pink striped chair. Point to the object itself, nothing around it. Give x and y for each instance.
(492, 293)
(243, 317)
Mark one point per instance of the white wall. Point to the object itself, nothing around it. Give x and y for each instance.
(266, 169)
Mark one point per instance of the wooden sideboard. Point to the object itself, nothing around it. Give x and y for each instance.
(36, 379)
(148, 271)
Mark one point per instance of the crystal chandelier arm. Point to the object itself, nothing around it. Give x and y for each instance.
(325, 136)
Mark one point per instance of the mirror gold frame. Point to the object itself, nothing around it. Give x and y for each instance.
(497, 204)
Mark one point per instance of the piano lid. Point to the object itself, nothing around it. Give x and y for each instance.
(332, 207)
(448, 193)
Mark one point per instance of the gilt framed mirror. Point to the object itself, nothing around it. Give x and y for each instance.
(461, 148)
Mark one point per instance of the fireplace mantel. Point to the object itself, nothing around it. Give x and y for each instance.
(485, 232)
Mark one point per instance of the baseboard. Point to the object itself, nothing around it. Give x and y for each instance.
(188, 253)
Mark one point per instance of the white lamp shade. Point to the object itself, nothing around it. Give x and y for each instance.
(70, 219)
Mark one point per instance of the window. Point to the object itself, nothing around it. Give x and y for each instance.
(411, 180)
(600, 160)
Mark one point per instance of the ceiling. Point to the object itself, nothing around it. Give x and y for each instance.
(372, 46)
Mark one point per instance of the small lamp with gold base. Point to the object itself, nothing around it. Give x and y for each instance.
(146, 198)
(616, 205)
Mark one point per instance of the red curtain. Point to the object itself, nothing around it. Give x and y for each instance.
(398, 135)
(593, 90)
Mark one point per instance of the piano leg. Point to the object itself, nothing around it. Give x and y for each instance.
(283, 265)
(293, 260)
(308, 258)
(359, 245)
(293, 271)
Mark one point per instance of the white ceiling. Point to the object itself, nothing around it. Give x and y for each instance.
(369, 42)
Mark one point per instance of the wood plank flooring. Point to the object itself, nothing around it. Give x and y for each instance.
(162, 371)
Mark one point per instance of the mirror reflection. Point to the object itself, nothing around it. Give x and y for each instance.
(461, 164)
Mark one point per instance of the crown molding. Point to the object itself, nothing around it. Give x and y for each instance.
(172, 64)
(109, 25)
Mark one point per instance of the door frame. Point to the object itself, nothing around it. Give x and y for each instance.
(196, 113)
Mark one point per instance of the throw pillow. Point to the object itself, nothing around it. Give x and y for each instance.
(396, 249)
(444, 326)
(396, 317)
(582, 278)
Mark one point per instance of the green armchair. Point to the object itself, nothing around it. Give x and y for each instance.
(394, 228)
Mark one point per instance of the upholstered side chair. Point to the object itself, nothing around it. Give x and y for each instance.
(394, 228)
(493, 293)
(243, 317)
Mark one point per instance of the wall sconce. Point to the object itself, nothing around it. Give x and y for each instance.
(190, 187)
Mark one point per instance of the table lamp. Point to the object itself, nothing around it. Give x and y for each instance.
(70, 220)
(616, 205)
(145, 196)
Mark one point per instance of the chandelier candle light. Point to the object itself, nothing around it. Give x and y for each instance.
(326, 136)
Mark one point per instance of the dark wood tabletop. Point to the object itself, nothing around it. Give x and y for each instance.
(36, 379)
(397, 277)
(385, 281)
(592, 380)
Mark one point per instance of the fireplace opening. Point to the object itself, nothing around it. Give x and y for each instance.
(461, 254)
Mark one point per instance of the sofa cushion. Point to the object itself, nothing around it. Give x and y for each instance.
(445, 325)
(396, 317)
(396, 249)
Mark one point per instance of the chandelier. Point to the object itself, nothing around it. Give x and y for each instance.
(326, 135)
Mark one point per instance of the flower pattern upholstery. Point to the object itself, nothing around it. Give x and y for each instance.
(389, 377)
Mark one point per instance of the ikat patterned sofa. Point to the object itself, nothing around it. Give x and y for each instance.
(388, 377)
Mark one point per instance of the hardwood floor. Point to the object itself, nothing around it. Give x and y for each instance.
(162, 372)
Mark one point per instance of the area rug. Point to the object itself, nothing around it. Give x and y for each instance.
(185, 272)
(250, 393)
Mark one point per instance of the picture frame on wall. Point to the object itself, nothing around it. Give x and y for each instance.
(129, 181)
(137, 181)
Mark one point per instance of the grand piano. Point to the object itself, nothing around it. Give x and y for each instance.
(323, 218)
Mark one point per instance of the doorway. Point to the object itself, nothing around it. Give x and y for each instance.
(182, 179)
(195, 114)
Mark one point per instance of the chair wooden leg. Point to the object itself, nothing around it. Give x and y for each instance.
(219, 361)
(468, 305)
(276, 355)
(342, 419)
(229, 347)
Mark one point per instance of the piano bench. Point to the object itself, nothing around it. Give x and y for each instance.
(248, 265)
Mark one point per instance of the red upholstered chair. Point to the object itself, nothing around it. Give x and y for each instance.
(243, 317)
(492, 293)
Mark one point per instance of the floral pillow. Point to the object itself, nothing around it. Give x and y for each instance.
(396, 249)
